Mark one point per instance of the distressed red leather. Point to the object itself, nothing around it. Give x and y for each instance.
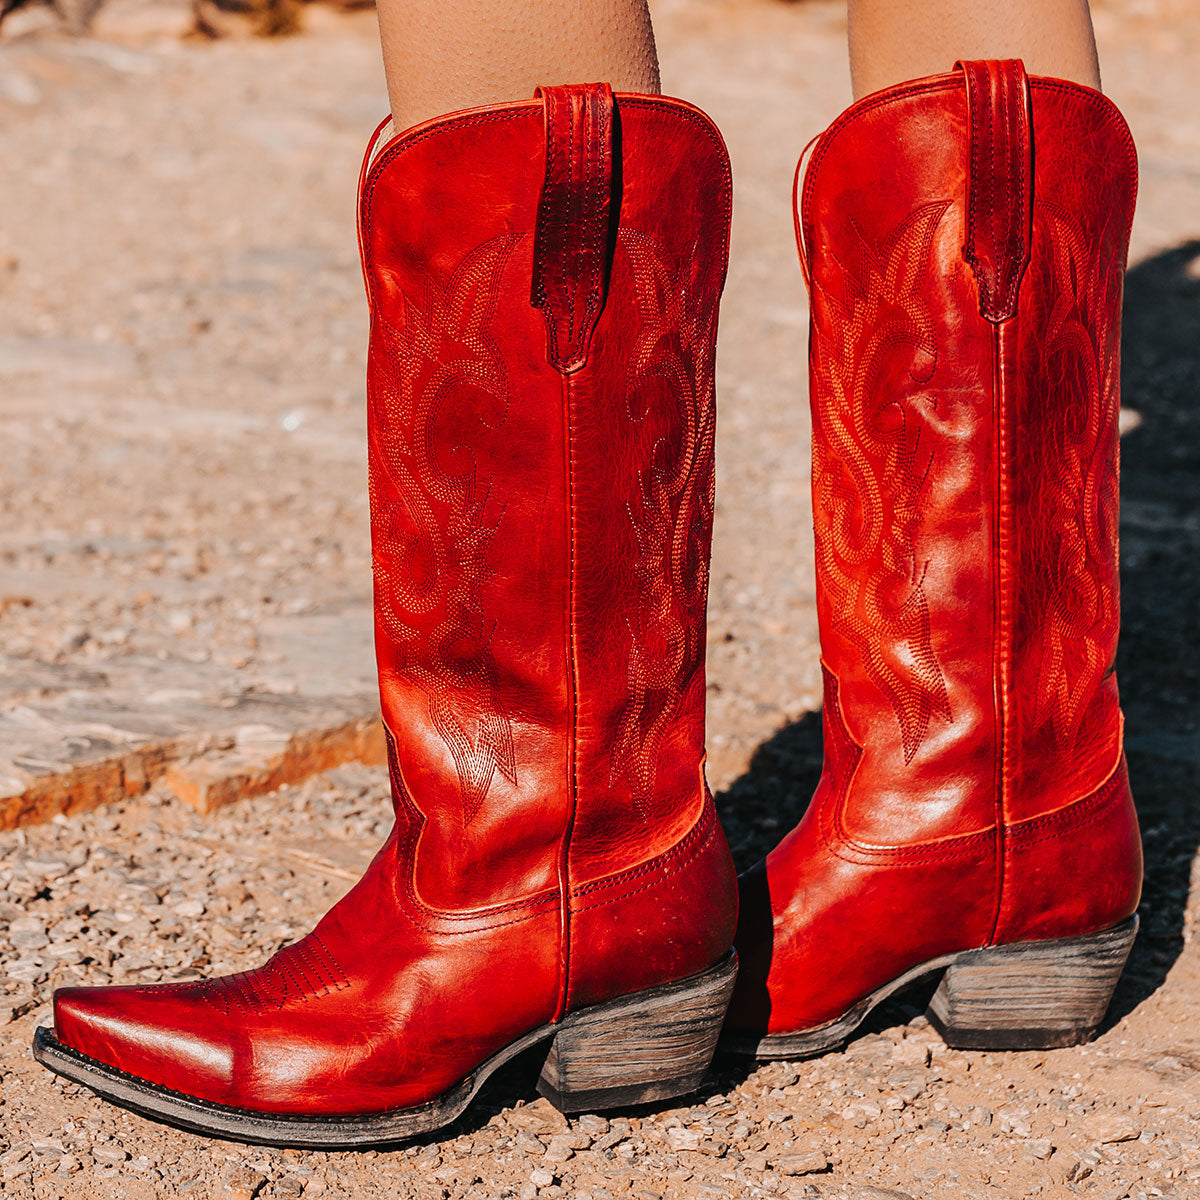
(541, 479)
(966, 237)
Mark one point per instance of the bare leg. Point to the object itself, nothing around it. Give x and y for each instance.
(894, 40)
(443, 55)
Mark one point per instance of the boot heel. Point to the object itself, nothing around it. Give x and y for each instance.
(1031, 995)
(651, 1045)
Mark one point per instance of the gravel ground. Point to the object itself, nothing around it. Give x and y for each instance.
(153, 892)
(181, 333)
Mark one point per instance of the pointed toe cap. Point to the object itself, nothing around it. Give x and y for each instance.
(162, 1035)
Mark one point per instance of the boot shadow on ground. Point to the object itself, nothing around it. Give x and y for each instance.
(516, 1084)
(1158, 663)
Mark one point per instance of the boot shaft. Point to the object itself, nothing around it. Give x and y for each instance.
(544, 280)
(966, 237)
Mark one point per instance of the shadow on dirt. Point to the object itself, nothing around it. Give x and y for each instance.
(1159, 662)
(770, 796)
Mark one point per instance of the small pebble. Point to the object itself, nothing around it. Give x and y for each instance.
(109, 1156)
(802, 1162)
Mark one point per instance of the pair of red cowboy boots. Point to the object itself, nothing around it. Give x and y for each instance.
(543, 281)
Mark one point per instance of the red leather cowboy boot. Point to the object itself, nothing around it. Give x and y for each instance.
(543, 280)
(966, 237)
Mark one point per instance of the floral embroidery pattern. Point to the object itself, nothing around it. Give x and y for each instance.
(672, 512)
(872, 328)
(439, 374)
(1074, 395)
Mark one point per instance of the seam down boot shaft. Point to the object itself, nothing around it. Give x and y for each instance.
(965, 238)
(543, 281)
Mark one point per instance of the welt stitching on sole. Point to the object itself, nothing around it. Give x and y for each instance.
(45, 1039)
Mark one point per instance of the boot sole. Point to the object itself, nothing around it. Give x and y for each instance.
(1019, 996)
(650, 1045)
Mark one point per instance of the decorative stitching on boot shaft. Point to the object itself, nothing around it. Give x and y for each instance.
(434, 526)
(672, 516)
(870, 465)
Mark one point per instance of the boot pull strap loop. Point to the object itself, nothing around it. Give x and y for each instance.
(797, 216)
(571, 238)
(999, 181)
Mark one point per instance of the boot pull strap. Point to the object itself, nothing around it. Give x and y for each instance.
(1000, 181)
(797, 215)
(571, 238)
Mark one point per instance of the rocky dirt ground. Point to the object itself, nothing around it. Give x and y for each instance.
(182, 500)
